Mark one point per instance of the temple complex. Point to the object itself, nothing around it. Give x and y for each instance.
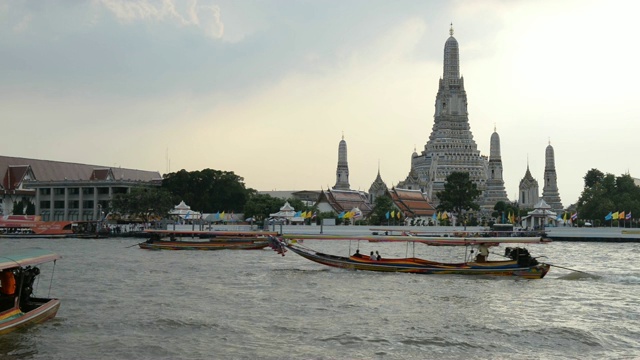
(451, 147)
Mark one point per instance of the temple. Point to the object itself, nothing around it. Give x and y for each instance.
(550, 192)
(342, 172)
(451, 147)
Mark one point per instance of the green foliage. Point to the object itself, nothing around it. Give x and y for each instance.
(381, 206)
(259, 206)
(208, 190)
(607, 193)
(460, 193)
(143, 202)
(24, 207)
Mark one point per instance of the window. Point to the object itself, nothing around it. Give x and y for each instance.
(45, 204)
(87, 204)
(73, 191)
(45, 191)
(58, 204)
(103, 191)
(58, 191)
(74, 204)
(87, 191)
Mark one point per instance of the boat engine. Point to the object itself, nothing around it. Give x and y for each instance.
(521, 255)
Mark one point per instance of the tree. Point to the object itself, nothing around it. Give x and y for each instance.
(259, 206)
(208, 190)
(593, 177)
(382, 205)
(460, 193)
(143, 203)
(607, 193)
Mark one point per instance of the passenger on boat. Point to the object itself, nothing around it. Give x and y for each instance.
(483, 253)
(357, 254)
(372, 256)
(378, 257)
(8, 283)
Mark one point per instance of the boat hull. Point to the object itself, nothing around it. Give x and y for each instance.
(420, 266)
(204, 245)
(15, 319)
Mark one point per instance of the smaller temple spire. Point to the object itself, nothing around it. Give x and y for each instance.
(451, 29)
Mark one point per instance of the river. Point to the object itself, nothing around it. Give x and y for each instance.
(121, 302)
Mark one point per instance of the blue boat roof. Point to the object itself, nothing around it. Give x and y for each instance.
(26, 257)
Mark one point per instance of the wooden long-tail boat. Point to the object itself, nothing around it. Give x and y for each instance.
(519, 262)
(18, 306)
(205, 240)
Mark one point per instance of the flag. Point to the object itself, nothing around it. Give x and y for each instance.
(444, 215)
(222, 216)
(434, 216)
(628, 217)
(439, 216)
(218, 215)
(564, 217)
(303, 214)
(341, 215)
(393, 213)
(314, 215)
(609, 216)
(188, 214)
(614, 216)
(574, 217)
(398, 215)
(387, 215)
(621, 216)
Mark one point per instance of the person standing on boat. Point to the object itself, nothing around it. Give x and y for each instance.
(483, 253)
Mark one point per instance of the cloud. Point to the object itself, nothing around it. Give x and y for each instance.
(206, 17)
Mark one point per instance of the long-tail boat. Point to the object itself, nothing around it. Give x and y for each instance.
(205, 240)
(518, 263)
(18, 305)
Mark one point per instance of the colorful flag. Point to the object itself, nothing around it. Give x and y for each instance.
(218, 215)
(387, 215)
(444, 215)
(439, 216)
(341, 215)
(435, 217)
(398, 214)
(609, 216)
(574, 217)
(303, 215)
(628, 217)
(614, 216)
(621, 215)
(393, 213)
(314, 215)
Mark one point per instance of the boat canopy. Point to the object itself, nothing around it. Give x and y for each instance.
(26, 257)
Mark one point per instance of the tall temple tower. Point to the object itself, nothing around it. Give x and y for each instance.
(450, 147)
(342, 173)
(528, 194)
(550, 192)
(495, 183)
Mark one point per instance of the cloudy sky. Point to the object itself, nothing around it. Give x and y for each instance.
(266, 89)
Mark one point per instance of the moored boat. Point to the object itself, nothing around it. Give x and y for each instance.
(519, 262)
(18, 305)
(30, 226)
(206, 240)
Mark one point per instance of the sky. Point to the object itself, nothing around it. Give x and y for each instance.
(267, 89)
